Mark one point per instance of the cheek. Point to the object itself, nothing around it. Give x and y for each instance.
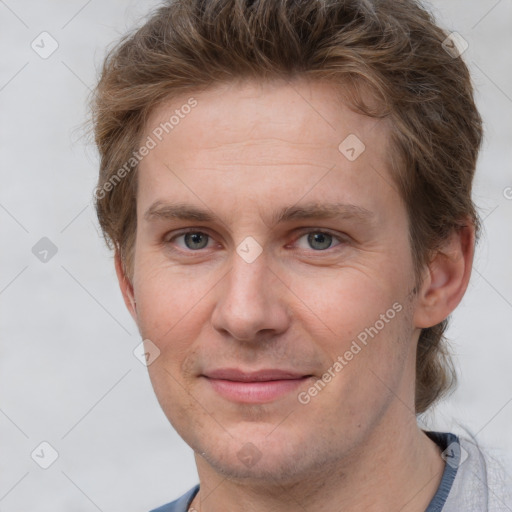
(348, 299)
(166, 296)
(358, 319)
(369, 361)
(172, 395)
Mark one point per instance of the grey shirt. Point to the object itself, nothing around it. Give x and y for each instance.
(482, 483)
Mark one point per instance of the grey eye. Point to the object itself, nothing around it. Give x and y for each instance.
(319, 241)
(195, 240)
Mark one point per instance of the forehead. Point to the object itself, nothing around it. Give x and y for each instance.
(307, 112)
(247, 137)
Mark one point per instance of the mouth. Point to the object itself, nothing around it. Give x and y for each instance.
(254, 387)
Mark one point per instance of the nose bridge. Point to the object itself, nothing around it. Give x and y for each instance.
(249, 272)
(249, 299)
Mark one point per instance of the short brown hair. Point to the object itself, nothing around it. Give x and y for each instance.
(392, 47)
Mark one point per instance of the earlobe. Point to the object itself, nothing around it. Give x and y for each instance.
(126, 286)
(447, 278)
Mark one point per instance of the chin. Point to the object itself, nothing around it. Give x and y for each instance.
(256, 456)
(270, 468)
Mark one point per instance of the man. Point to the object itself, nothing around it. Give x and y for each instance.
(287, 187)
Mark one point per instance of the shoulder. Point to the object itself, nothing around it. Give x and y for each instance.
(483, 481)
(181, 504)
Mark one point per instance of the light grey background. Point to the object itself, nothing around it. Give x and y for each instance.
(68, 375)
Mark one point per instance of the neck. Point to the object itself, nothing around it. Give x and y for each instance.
(397, 468)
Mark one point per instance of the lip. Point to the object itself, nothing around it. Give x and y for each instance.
(235, 374)
(254, 387)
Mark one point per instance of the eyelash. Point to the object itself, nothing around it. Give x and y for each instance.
(306, 231)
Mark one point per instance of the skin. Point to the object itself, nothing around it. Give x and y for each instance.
(246, 151)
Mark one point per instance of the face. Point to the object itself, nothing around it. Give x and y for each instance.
(272, 270)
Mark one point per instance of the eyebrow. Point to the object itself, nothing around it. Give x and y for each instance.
(313, 210)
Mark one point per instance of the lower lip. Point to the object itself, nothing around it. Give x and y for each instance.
(255, 392)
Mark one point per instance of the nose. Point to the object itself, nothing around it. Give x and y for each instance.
(251, 302)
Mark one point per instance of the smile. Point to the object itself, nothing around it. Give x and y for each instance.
(254, 387)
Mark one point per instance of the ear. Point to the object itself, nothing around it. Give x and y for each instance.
(446, 279)
(126, 286)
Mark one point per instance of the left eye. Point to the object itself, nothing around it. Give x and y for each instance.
(194, 240)
(318, 240)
